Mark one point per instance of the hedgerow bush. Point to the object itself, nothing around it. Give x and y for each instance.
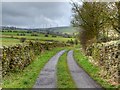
(22, 40)
(17, 57)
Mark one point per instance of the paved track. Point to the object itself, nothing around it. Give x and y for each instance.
(81, 78)
(47, 77)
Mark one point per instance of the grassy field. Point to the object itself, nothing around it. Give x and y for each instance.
(11, 38)
(63, 75)
(10, 41)
(27, 77)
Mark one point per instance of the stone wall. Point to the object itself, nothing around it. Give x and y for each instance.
(16, 58)
(107, 56)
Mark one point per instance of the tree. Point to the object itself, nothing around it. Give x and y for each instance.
(90, 18)
(115, 16)
(71, 41)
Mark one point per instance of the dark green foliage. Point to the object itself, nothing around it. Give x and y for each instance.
(34, 34)
(29, 31)
(20, 34)
(54, 36)
(22, 40)
(76, 41)
(70, 42)
(46, 35)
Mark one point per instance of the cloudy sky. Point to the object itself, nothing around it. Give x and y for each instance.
(36, 14)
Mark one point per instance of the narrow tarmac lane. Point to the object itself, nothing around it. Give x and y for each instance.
(81, 78)
(47, 76)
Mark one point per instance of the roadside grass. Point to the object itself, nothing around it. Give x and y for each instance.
(64, 78)
(91, 69)
(27, 77)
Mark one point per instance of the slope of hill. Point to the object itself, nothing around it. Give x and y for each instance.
(64, 29)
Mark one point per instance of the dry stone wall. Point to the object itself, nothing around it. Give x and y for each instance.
(17, 57)
(107, 56)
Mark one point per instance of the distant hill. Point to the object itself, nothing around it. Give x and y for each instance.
(66, 29)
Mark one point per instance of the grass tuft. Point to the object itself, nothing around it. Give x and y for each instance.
(63, 75)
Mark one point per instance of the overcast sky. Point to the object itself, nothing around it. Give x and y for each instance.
(36, 14)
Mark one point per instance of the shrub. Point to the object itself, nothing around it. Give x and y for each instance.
(20, 34)
(34, 34)
(46, 35)
(71, 41)
(54, 36)
(76, 41)
(22, 40)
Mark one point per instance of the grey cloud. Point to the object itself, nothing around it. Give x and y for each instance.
(35, 14)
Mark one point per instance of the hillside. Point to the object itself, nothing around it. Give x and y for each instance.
(64, 29)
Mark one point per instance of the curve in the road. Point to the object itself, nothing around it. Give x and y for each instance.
(81, 78)
(47, 76)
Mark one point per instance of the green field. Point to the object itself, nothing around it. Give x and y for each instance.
(11, 38)
(10, 41)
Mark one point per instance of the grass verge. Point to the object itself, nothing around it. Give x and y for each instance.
(27, 77)
(91, 69)
(64, 79)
